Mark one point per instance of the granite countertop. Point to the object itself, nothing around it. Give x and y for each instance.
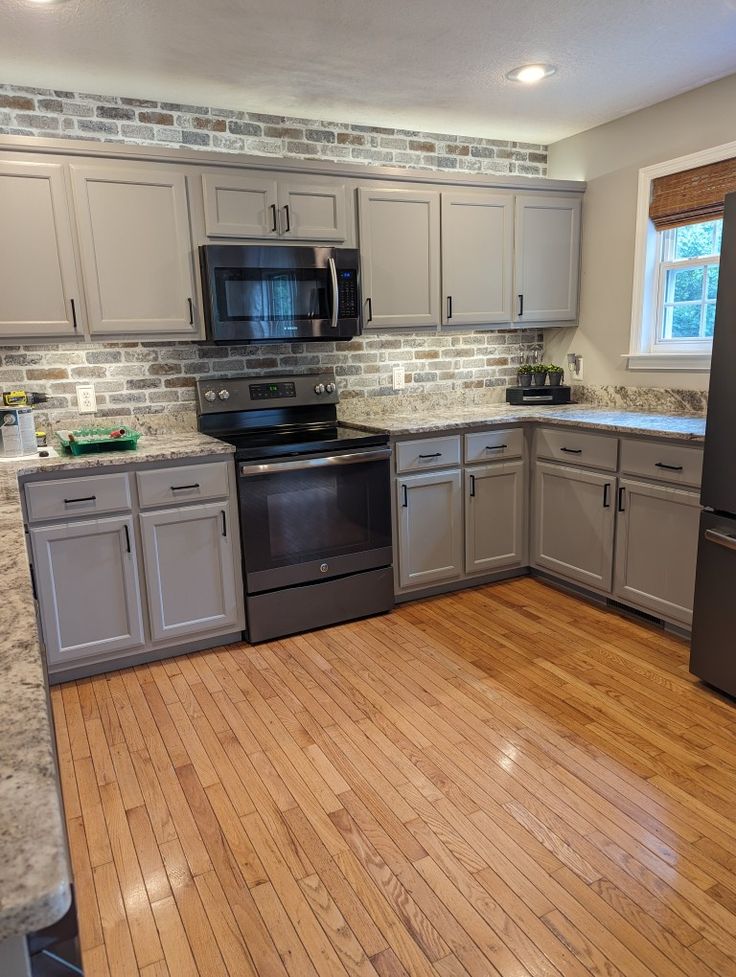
(34, 871)
(682, 427)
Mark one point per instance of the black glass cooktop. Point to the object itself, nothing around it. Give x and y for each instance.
(282, 442)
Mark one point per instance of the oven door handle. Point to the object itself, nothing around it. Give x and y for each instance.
(351, 458)
(335, 294)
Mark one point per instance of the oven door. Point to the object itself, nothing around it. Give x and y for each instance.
(314, 518)
(278, 293)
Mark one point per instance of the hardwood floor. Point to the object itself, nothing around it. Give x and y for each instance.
(505, 782)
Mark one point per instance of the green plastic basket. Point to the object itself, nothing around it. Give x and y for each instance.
(91, 440)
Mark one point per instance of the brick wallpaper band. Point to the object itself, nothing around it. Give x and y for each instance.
(55, 114)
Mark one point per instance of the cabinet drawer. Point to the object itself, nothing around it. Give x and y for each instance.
(577, 448)
(675, 463)
(412, 456)
(69, 498)
(494, 445)
(170, 486)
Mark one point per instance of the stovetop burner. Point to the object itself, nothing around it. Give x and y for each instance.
(274, 442)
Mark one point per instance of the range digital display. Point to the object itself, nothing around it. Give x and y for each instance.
(271, 391)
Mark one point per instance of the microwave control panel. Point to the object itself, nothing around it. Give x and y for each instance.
(347, 291)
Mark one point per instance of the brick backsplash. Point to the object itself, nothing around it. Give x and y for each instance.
(54, 113)
(158, 378)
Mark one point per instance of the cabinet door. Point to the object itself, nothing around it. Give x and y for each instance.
(477, 257)
(190, 570)
(38, 277)
(657, 548)
(87, 583)
(136, 249)
(573, 523)
(313, 212)
(494, 517)
(240, 205)
(430, 511)
(400, 254)
(546, 258)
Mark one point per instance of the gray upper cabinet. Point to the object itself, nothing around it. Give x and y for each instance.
(254, 205)
(494, 517)
(190, 570)
(87, 578)
(477, 257)
(656, 548)
(574, 516)
(430, 528)
(546, 258)
(38, 278)
(136, 250)
(400, 254)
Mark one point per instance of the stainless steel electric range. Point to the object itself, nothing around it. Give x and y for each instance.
(315, 502)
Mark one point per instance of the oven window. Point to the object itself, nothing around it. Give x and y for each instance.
(299, 516)
(272, 295)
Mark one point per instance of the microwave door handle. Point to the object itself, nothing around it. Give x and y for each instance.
(335, 295)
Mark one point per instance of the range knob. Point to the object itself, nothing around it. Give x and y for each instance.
(330, 388)
(319, 389)
(209, 395)
(224, 394)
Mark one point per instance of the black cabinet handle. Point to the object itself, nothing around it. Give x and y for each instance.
(521, 305)
(74, 314)
(607, 495)
(184, 488)
(449, 306)
(669, 468)
(572, 451)
(288, 219)
(621, 499)
(472, 486)
(224, 523)
(191, 312)
(274, 215)
(87, 498)
(496, 447)
(33, 581)
(369, 302)
(437, 454)
(405, 503)
(127, 537)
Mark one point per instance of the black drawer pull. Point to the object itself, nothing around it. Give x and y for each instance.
(496, 447)
(669, 468)
(621, 497)
(437, 454)
(184, 488)
(87, 498)
(572, 451)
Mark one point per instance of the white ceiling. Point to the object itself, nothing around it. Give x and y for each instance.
(434, 65)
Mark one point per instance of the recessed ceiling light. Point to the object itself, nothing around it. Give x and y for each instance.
(529, 74)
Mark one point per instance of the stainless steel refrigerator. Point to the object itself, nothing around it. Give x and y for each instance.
(713, 652)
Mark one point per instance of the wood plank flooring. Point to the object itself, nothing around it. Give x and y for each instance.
(505, 782)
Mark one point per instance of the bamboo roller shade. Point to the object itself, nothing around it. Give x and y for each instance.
(692, 195)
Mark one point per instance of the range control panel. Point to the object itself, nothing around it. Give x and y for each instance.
(272, 391)
(243, 393)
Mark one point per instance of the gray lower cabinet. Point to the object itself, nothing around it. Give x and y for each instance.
(574, 516)
(656, 548)
(430, 530)
(494, 517)
(87, 577)
(190, 570)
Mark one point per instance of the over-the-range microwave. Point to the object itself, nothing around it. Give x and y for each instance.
(280, 293)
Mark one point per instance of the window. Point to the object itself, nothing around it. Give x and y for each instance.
(677, 259)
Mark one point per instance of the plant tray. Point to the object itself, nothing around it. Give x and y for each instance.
(91, 440)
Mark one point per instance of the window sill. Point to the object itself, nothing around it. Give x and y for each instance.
(672, 362)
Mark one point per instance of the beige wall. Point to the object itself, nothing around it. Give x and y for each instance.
(609, 158)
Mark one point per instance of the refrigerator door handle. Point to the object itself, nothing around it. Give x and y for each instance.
(721, 539)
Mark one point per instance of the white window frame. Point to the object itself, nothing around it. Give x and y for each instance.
(645, 352)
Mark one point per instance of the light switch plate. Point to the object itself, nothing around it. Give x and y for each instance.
(398, 377)
(86, 399)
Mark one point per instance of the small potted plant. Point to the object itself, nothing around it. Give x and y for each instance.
(555, 374)
(539, 374)
(524, 375)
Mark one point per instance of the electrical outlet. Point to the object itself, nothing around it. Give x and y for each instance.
(398, 378)
(579, 372)
(86, 399)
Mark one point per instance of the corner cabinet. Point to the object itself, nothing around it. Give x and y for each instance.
(400, 254)
(135, 249)
(430, 507)
(39, 287)
(546, 258)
